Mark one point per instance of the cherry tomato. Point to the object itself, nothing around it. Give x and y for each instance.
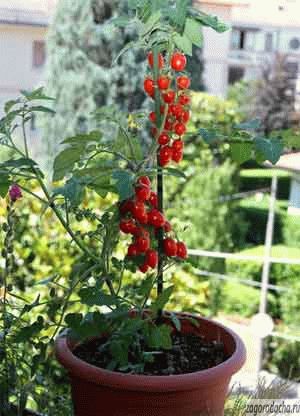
(183, 82)
(149, 86)
(170, 247)
(142, 193)
(177, 156)
(177, 145)
(184, 99)
(165, 155)
(169, 124)
(163, 83)
(179, 129)
(142, 244)
(144, 180)
(153, 199)
(178, 61)
(125, 207)
(169, 97)
(138, 208)
(132, 250)
(163, 139)
(142, 218)
(151, 60)
(156, 218)
(177, 111)
(167, 227)
(151, 258)
(182, 250)
(128, 227)
(185, 117)
(152, 117)
(144, 268)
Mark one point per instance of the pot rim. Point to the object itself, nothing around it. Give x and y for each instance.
(181, 382)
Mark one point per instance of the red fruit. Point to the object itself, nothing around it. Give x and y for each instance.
(170, 247)
(128, 227)
(125, 207)
(142, 244)
(132, 250)
(152, 117)
(144, 268)
(153, 199)
(154, 131)
(177, 145)
(163, 139)
(142, 218)
(179, 129)
(156, 218)
(149, 86)
(183, 82)
(184, 99)
(165, 155)
(151, 258)
(182, 250)
(151, 60)
(169, 124)
(185, 117)
(142, 193)
(163, 83)
(144, 180)
(138, 208)
(169, 97)
(167, 227)
(178, 111)
(178, 61)
(162, 109)
(177, 156)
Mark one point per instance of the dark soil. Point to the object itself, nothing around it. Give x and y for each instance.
(189, 353)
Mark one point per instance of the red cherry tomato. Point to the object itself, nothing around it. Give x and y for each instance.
(169, 97)
(167, 227)
(149, 86)
(128, 227)
(185, 117)
(183, 82)
(151, 60)
(144, 180)
(132, 250)
(177, 156)
(177, 145)
(142, 193)
(153, 199)
(125, 207)
(179, 129)
(144, 268)
(165, 155)
(170, 247)
(182, 250)
(151, 258)
(152, 117)
(184, 99)
(142, 244)
(156, 218)
(178, 111)
(138, 208)
(169, 124)
(163, 82)
(163, 139)
(178, 61)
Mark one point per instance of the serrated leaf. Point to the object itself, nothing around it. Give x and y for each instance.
(72, 191)
(210, 21)
(160, 337)
(73, 320)
(92, 296)
(162, 299)
(175, 172)
(4, 185)
(9, 105)
(65, 161)
(184, 44)
(270, 149)
(241, 152)
(123, 183)
(192, 30)
(151, 23)
(37, 94)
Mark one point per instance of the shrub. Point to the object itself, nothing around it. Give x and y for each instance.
(290, 305)
(283, 358)
(291, 231)
(238, 299)
(281, 274)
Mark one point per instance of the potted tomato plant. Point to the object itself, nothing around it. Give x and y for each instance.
(125, 354)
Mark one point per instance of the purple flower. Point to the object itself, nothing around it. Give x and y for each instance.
(15, 193)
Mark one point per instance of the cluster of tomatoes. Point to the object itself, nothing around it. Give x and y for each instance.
(177, 100)
(141, 218)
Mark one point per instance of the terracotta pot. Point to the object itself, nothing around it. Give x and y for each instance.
(98, 392)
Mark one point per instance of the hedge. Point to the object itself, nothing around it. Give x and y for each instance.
(281, 274)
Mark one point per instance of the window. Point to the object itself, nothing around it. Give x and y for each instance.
(39, 53)
(236, 73)
(243, 39)
(269, 42)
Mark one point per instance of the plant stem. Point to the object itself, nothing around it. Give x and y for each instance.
(160, 193)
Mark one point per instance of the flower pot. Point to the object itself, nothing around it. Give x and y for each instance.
(98, 392)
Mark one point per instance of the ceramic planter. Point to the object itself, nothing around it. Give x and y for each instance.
(98, 392)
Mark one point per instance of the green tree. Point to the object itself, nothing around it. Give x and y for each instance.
(80, 71)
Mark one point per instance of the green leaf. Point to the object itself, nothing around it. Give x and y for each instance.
(162, 299)
(241, 152)
(92, 296)
(10, 104)
(84, 139)
(37, 94)
(192, 30)
(209, 136)
(65, 161)
(28, 332)
(250, 125)
(73, 320)
(42, 109)
(175, 172)
(124, 184)
(18, 163)
(184, 43)
(72, 191)
(160, 337)
(151, 23)
(4, 185)
(270, 149)
(176, 321)
(209, 20)
(121, 21)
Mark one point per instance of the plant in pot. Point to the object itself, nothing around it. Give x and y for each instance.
(124, 353)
